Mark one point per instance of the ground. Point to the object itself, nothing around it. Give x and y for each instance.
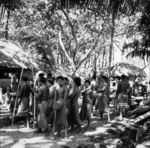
(18, 136)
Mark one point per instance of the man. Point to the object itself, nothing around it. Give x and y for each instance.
(103, 96)
(86, 109)
(50, 112)
(66, 85)
(24, 96)
(13, 89)
(93, 87)
(122, 94)
(51, 87)
(37, 79)
(61, 95)
(42, 98)
(74, 118)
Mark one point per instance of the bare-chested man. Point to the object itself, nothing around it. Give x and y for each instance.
(42, 98)
(60, 106)
(74, 118)
(86, 109)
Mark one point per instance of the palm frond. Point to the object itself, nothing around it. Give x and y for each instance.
(139, 49)
(140, 53)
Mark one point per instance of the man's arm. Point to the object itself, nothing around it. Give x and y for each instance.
(118, 88)
(87, 89)
(31, 90)
(20, 91)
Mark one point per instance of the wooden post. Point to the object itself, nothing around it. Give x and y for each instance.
(34, 101)
(149, 78)
(54, 122)
(111, 46)
(17, 97)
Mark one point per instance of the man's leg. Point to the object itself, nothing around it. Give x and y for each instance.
(108, 115)
(39, 130)
(58, 131)
(89, 109)
(121, 115)
(101, 114)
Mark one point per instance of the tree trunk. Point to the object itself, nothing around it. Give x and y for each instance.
(7, 23)
(149, 77)
(146, 61)
(111, 44)
(95, 61)
(142, 117)
(103, 59)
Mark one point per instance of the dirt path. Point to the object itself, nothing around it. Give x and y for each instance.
(21, 137)
(18, 136)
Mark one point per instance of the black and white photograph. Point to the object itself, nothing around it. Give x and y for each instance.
(74, 73)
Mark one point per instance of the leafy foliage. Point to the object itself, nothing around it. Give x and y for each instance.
(141, 46)
(70, 33)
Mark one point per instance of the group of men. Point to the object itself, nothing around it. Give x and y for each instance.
(57, 101)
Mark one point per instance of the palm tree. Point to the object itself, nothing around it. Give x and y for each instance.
(139, 50)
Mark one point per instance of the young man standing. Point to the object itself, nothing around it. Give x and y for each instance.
(42, 98)
(24, 96)
(122, 94)
(86, 109)
(61, 95)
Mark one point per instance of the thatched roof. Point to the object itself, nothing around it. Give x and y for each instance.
(8, 62)
(126, 69)
(13, 54)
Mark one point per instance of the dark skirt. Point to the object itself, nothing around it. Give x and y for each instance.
(123, 100)
(85, 111)
(23, 108)
(73, 117)
(102, 103)
(42, 121)
(61, 117)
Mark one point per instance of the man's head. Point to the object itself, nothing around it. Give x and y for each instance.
(87, 83)
(49, 75)
(42, 80)
(41, 75)
(123, 77)
(25, 78)
(77, 81)
(66, 81)
(59, 80)
(51, 80)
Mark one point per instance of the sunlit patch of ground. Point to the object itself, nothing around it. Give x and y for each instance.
(20, 137)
